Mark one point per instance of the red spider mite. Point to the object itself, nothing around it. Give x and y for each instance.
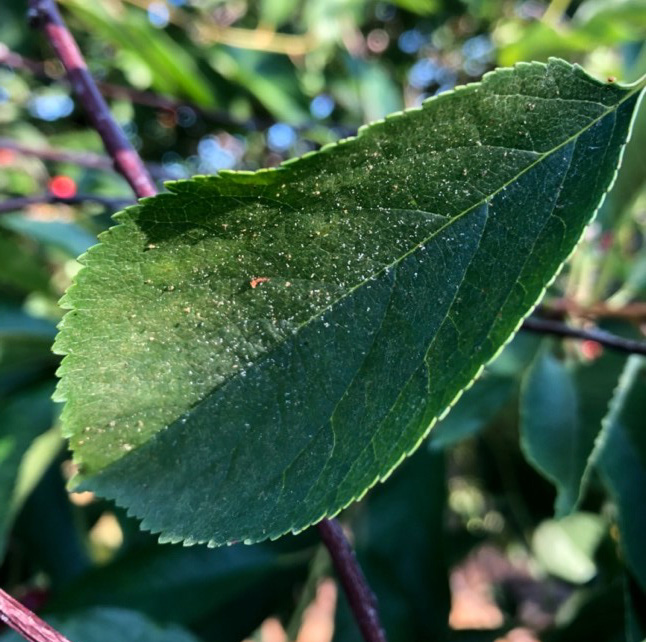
(256, 281)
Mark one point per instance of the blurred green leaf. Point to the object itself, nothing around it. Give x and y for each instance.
(539, 41)
(566, 547)
(173, 70)
(330, 20)
(27, 448)
(595, 23)
(25, 347)
(635, 598)
(379, 95)
(275, 14)
(632, 177)
(552, 438)
(70, 237)
(21, 268)
(610, 22)
(58, 551)
(474, 410)
(561, 411)
(422, 7)
(174, 583)
(622, 462)
(269, 77)
(110, 625)
(593, 614)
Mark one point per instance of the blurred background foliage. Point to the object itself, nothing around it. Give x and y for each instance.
(523, 516)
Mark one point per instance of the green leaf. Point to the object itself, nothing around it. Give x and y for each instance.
(172, 69)
(108, 624)
(566, 547)
(594, 25)
(275, 14)
(561, 411)
(25, 347)
(399, 262)
(595, 614)
(176, 583)
(21, 268)
(635, 610)
(484, 400)
(622, 462)
(422, 7)
(608, 22)
(269, 77)
(27, 447)
(69, 237)
(475, 409)
(378, 93)
(59, 551)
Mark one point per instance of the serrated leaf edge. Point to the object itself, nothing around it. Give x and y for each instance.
(66, 301)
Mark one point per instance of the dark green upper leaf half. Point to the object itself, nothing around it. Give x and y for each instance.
(388, 270)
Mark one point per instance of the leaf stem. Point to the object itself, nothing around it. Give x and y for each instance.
(557, 328)
(361, 599)
(26, 623)
(126, 161)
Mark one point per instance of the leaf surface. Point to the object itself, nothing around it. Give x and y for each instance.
(252, 351)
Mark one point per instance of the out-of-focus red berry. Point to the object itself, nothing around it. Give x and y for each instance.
(6, 156)
(591, 349)
(607, 239)
(62, 186)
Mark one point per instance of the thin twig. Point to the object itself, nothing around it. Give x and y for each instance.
(82, 159)
(557, 328)
(126, 160)
(171, 105)
(361, 599)
(18, 61)
(26, 623)
(21, 202)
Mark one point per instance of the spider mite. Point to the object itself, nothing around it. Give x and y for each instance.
(256, 281)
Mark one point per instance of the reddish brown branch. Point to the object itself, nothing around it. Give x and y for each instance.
(126, 160)
(26, 623)
(360, 598)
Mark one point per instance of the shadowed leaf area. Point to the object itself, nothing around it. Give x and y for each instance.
(252, 351)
